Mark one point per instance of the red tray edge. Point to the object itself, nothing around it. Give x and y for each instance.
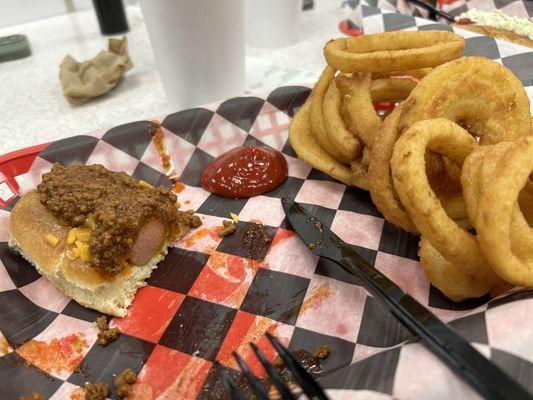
(14, 164)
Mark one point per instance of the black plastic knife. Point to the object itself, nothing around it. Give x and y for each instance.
(470, 365)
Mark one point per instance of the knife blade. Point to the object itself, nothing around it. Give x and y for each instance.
(470, 365)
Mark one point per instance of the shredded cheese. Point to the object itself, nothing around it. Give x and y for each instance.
(83, 251)
(81, 234)
(145, 184)
(52, 240)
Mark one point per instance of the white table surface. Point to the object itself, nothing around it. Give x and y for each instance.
(33, 109)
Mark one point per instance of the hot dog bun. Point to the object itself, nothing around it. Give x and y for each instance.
(29, 224)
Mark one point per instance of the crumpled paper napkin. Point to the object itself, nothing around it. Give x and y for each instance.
(82, 81)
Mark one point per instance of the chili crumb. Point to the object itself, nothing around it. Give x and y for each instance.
(318, 226)
(255, 240)
(308, 362)
(96, 391)
(123, 382)
(192, 220)
(322, 352)
(105, 335)
(228, 228)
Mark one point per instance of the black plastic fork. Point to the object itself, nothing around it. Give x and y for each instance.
(306, 382)
(433, 10)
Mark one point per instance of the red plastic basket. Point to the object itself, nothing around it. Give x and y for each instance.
(12, 165)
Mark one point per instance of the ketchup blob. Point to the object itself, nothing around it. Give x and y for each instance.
(245, 172)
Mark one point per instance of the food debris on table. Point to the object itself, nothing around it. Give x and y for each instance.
(255, 240)
(124, 381)
(318, 226)
(228, 228)
(96, 391)
(193, 221)
(158, 139)
(322, 352)
(106, 335)
(310, 362)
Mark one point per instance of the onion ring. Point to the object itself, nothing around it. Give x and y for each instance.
(479, 94)
(525, 200)
(343, 140)
(307, 149)
(477, 173)
(415, 73)
(450, 279)
(393, 51)
(497, 204)
(360, 166)
(471, 181)
(521, 233)
(364, 120)
(318, 126)
(360, 174)
(382, 189)
(391, 89)
(380, 178)
(444, 179)
(454, 243)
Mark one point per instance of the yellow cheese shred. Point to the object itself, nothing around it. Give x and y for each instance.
(145, 184)
(83, 249)
(52, 240)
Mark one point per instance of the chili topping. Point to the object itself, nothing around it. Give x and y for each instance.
(113, 205)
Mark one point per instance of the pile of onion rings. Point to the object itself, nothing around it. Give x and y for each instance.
(450, 159)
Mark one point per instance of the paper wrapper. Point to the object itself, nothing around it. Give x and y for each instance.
(82, 81)
(207, 299)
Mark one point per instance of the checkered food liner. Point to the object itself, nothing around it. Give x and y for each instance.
(208, 299)
(515, 8)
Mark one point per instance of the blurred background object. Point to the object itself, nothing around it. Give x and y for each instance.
(308, 5)
(262, 15)
(111, 16)
(33, 109)
(86, 80)
(199, 48)
(19, 11)
(13, 47)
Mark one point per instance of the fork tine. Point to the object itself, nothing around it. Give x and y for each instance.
(283, 389)
(228, 382)
(301, 376)
(256, 386)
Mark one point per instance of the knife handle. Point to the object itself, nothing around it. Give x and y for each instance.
(489, 380)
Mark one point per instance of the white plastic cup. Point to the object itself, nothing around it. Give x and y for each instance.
(198, 47)
(272, 23)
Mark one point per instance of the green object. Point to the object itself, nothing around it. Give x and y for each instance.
(14, 47)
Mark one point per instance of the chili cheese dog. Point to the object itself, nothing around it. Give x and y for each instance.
(95, 234)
